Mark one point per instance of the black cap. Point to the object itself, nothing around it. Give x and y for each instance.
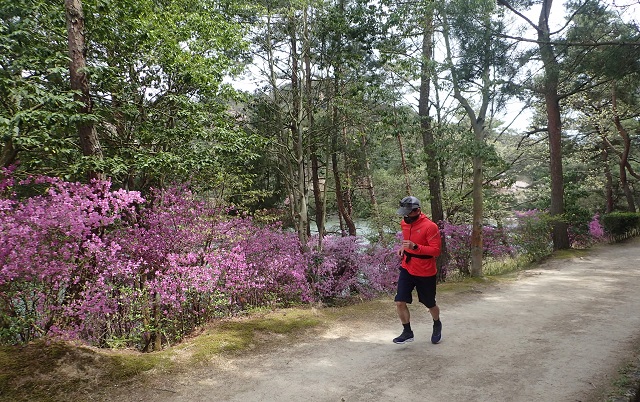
(408, 204)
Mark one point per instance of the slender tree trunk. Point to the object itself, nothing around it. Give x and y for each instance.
(300, 189)
(157, 332)
(405, 171)
(371, 190)
(313, 149)
(478, 200)
(317, 192)
(340, 199)
(348, 188)
(477, 121)
(80, 83)
(428, 141)
(281, 130)
(624, 157)
(343, 201)
(403, 160)
(608, 176)
(552, 103)
(145, 313)
(325, 191)
(554, 126)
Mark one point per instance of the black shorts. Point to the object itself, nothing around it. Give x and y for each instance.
(424, 285)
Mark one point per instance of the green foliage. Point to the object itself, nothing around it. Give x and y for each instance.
(595, 22)
(37, 109)
(165, 107)
(156, 72)
(533, 234)
(621, 225)
(580, 202)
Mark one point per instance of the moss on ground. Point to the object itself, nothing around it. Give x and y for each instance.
(625, 387)
(63, 371)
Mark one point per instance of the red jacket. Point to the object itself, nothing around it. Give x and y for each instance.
(426, 235)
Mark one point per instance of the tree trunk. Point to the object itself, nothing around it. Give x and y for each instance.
(9, 154)
(433, 168)
(317, 191)
(281, 129)
(554, 127)
(478, 200)
(342, 198)
(157, 332)
(300, 189)
(624, 157)
(609, 178)
(372, 191)
(477, 121)
(348, 189)
(315, 165)
(404, 165)
(340, 201)
(80, 83)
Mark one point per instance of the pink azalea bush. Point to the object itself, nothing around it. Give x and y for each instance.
(346, 266)
(112, 268)
(586, 237)
(495, 243)
(55, 260)
(197, 262)
(596, 230)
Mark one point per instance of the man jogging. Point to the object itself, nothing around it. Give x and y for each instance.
(420, 246)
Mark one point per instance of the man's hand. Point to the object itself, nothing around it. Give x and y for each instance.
(408, 245)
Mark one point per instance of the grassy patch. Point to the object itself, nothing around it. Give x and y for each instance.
(239, 334)
(570, 253)
(61, 371)
(55, 371)
(501, 266)
(626, 386)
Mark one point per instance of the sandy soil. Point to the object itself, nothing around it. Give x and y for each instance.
(557, 333)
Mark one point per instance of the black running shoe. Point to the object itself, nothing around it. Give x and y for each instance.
(436, 336)
(405, 336)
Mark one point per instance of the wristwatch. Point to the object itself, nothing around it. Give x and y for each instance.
(415, 246)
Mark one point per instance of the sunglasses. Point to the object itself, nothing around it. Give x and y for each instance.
(412, 211)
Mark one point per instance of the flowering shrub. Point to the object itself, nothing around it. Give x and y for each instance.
(532, 235)
(458, 238)
(55, 260)
(584, 238)
(333, 270)
(346, 266)
(495, 243)
(197, 262)
(378, 270)
(87, 262)
(596, 230)
(112, 268)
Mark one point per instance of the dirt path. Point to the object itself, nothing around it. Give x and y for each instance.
(558, 333)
